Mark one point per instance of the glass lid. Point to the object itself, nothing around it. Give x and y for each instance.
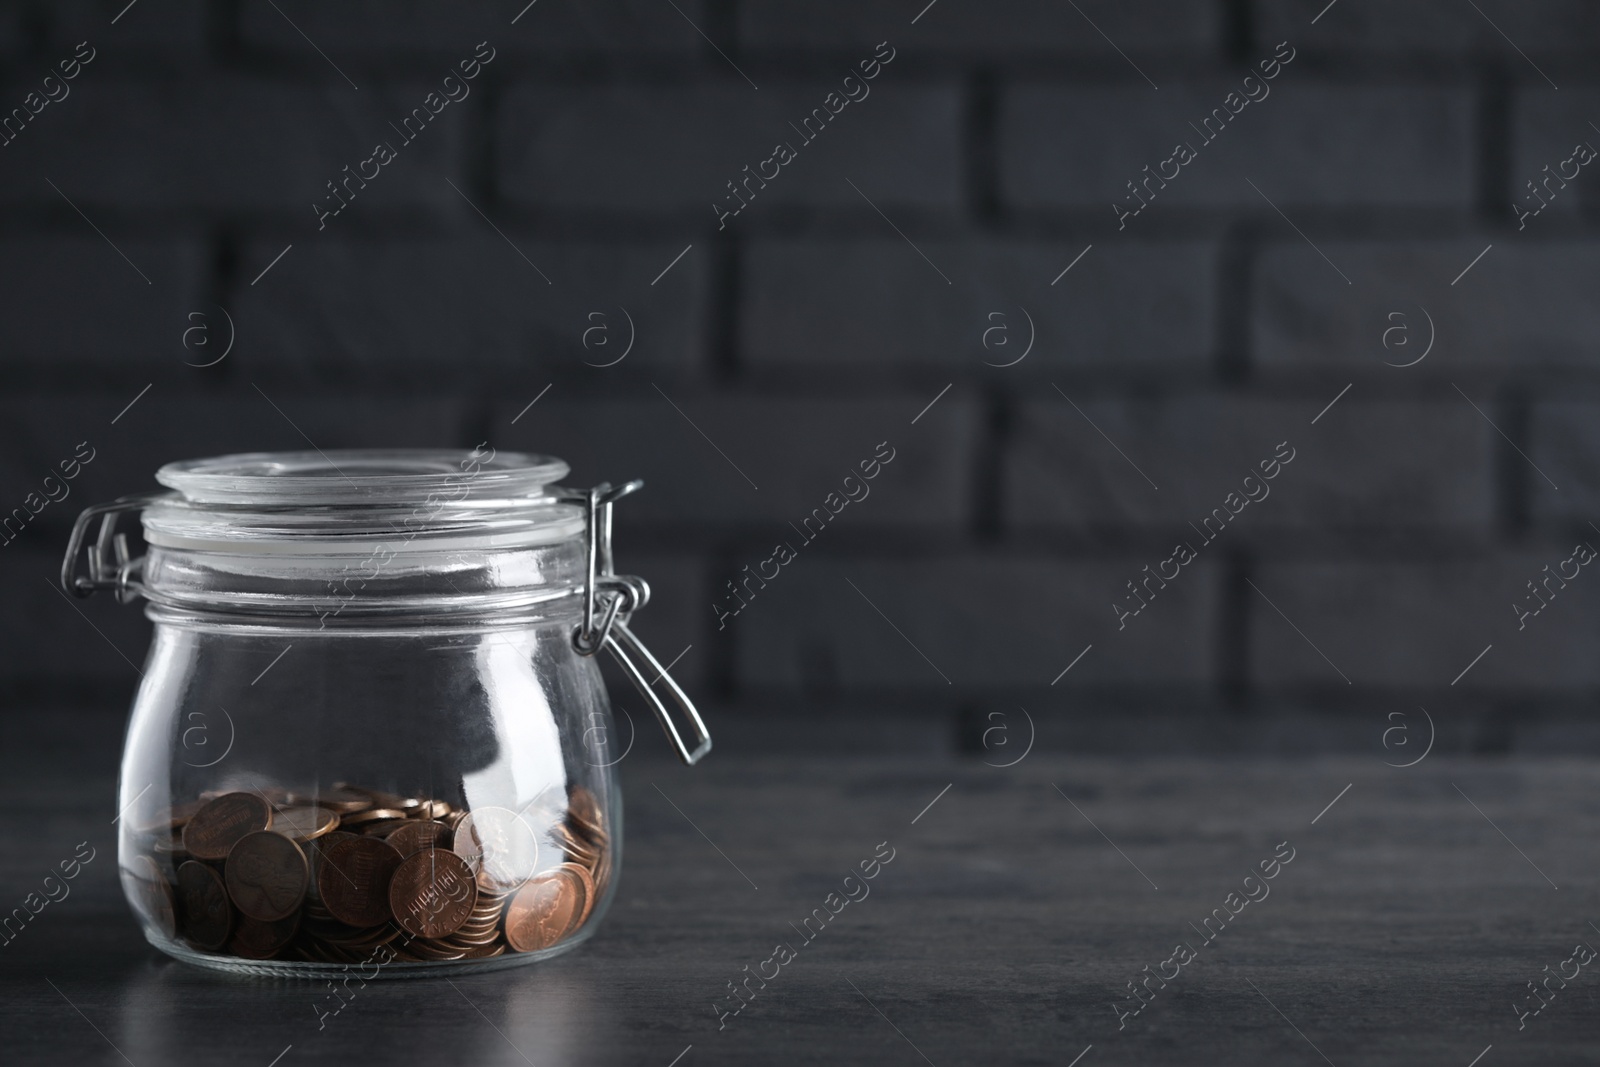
(340, 502)
(370, 476)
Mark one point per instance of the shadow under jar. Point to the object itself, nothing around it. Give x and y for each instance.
(371, 730)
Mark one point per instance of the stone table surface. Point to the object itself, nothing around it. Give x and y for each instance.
(1019, 904)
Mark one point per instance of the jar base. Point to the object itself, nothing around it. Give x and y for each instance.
(306, 969)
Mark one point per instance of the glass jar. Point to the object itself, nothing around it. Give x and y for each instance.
(371, 731)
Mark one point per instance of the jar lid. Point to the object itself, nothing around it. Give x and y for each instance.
(332, 503)
(361, 476)
(352, 539)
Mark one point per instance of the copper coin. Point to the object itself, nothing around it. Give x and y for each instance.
(602, 871)
(256, 940)
(479, 924)
(572, 845)
(266, 874)
(169, 843)
(589, 895)
(304, 822)
(435, 950)
(432, 893)
(383, 936)
(544, 910)
(353, 879)
(180, 814)
(584, 812)
(490, 904)
(486, 914)
(277, 796)
(151, 894)
(172, 818)
(414, 835)
(314, 915)
(214, 828)
(431, 809)
(344, 800)
(378, 798)
(207, 915)
(315, 851)
(500, 848)
(464, 939)
(361, 818)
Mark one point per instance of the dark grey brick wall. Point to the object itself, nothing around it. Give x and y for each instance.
(940, 268)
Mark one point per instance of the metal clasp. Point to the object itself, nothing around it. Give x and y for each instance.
(110, 566)
(614, 598)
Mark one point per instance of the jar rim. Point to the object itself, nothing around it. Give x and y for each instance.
(361, 476)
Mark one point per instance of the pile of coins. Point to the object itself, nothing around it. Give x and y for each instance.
(335, 877)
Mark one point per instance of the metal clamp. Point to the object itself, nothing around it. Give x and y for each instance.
(618, 596)
(109, 564)
(696, 725)
(600, 567)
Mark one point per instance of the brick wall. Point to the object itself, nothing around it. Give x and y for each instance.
(882, 287)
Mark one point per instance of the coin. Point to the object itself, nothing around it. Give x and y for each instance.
(548, 907)
(304, 822)
(344, 800)
(266, 874)
(475, 939)
(373, 936)
(152, 894)
(432, 893)
(500, 848)
(256, 940)
(169, 843)
(172, 818)
(272, 794)
(574, 846)
(315, 851)
(424, 949)
(431, 809)
(585, 815)
(322, 929)
(486, 912)
(353, 879)
(336, 876)
(361, 818)
(589, 895)
(378, 798)
(207, 915)
(414, 835)
(214, 828)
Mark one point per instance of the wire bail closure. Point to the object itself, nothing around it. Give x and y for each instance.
(617, 597)
(108, 557)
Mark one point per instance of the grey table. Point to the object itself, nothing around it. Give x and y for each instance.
(1018, 906)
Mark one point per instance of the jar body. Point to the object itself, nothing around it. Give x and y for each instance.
(405, 799)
